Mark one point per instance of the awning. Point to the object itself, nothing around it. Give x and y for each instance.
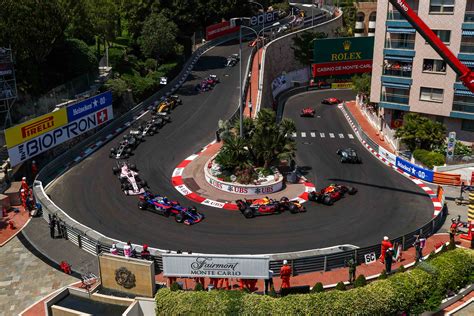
(399, 58)
(468, 33)
(468, 63)
(401, 30)
(395, 85)
(464, 92)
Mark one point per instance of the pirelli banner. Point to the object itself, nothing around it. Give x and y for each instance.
(342, 56)
(215, 266)
(40, 134)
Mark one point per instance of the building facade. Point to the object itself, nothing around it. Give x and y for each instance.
(409, 76)
(366, 15)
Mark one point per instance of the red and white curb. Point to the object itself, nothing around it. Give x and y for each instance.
(178, 184)
(434, 199)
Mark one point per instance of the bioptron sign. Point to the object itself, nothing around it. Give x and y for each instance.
(215, 266)
(342, 56)
(31, 138)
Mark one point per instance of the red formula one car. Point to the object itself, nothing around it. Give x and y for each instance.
(307, 112)
(331, 101)
(252, 208)
(331, 194)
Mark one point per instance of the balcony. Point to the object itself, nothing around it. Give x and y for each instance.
(467, 48)
(397, 73)
(469, 17)
(395, 98)
(400, 44)
(463, 107)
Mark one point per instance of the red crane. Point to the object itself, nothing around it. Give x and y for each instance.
(466, 75)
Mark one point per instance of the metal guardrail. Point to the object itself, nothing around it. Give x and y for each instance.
(95, 243)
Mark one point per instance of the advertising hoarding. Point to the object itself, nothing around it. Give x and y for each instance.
(215, 266)
(220, 29)
(420, 173)
(342, 68)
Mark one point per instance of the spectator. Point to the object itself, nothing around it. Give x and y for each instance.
(52, 224)
(114, 249)
(389, 260)
(269, 282)
(223, 283)
(34, 169)
(145, 254)
(24, 185)
(453, 229)
(23, 196)
(127, 249)
(66, 267)
(352, 265)
(285, 274)
(419, 244)
(385, 245)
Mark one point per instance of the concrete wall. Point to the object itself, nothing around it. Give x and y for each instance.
(279, 57)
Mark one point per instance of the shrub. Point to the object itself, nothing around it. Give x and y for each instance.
(383, 275)
(175, 286)
(429, 158)
(401, 269)
(360, 281)
(340, 286)
(415, 291)
(198, 287)
(317, 288)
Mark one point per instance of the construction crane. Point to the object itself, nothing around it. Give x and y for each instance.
(465, 74)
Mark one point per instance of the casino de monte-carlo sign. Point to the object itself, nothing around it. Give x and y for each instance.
(215, 266)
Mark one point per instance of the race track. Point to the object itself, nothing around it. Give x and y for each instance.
(387, 203)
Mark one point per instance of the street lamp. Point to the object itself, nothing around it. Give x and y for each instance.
(264, 18)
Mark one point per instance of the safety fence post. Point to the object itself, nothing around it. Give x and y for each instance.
(97, 249)
(403, 242)
(79, 241)
(292, 267)
(325, 263)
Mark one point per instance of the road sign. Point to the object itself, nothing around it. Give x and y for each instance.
(370, 258)
(451, 145)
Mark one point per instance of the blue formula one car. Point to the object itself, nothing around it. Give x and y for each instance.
(162, 206)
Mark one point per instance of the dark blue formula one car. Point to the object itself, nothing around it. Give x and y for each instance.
(162, 206)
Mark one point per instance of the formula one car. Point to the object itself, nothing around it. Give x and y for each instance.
(252, 208)
(232, 60)
(331, 194)
(147, 128)
(349, 155)
(331, 101)
(203, 86)
(130, 181)
(125, 148)
(212, 80)
(168, 104)
(307, 112)
(162, 206)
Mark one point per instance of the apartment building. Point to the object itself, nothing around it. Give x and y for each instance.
(409, 76)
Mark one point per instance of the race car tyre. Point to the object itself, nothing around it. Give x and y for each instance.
(327, 200)
(128, 151)
(133, 167)
(293, 209)
(312, 196)
(115, 170)
(123, 180)
(248, 213)
(112, 150)
(143, 184)
(352, 190)
(151, 133)
(165, 213)
(126, 156)
(179, 218)
(142, 205)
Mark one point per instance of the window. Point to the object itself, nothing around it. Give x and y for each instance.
(469, 16)
(467, 44)
(395, 95)
(463, 103)
(467, 125)
(444, 35)
(442, 6)
(431, 94)
(397, 68)
(434, 65)
(400, 41)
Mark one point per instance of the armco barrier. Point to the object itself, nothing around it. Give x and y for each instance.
(94, 242)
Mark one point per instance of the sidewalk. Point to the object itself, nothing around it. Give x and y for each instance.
(331, 278)
(19, 217)
(372, 132)
(252, 93)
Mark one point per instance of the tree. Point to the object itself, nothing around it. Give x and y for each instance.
(104, 19)
(419, 132)
(158, 39)
(80, 19)
(303, 46)
(361, 84)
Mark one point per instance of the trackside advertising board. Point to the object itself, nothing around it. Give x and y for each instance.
(342, 56)
(420, 173)
(215, 266)
(29, 139)
(220, 29)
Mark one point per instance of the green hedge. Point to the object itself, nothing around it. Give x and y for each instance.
(414, 291)
(429, 158)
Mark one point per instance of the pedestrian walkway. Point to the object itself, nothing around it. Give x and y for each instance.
(331, 278)
(252, 93)
(25, 278)
(365, 125)
(17, 218)
(321, 135)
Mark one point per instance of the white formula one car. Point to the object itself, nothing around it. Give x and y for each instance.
(130, 181)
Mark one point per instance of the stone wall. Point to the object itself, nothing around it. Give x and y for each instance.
(278, 57)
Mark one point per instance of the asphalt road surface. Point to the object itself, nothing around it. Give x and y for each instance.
(387, 203)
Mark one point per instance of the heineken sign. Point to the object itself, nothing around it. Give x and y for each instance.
(342, 56)
(215, 266)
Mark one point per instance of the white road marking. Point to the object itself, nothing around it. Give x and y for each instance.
(322, 135)
(350, 136)
(293, 134)
(341, 135)
(313, 134)
(331, 135)
(303, 134)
